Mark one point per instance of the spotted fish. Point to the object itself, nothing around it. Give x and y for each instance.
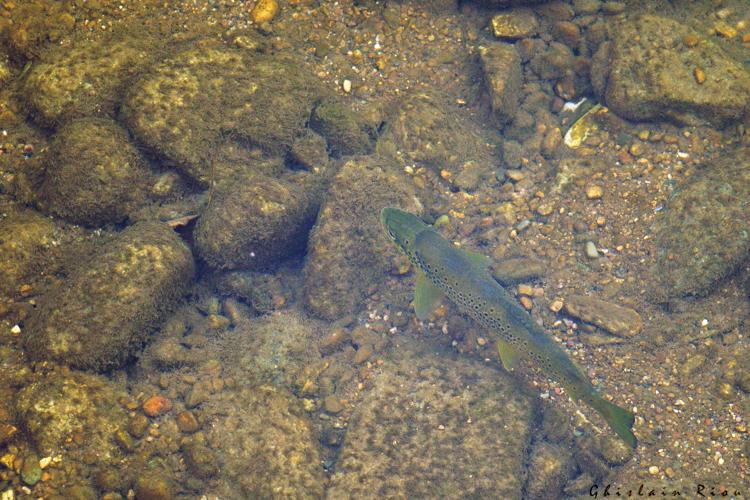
(463, 276)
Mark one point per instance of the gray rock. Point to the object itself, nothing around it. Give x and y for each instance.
(439, 419)
(348, 251)
(264, 222)
(96, 175)
(617, 320)
(345, 132)
(266, 446)
(56, 406)
(646, 73)
(502, 73)
(185, 105)
(703, 234)
(109, 305)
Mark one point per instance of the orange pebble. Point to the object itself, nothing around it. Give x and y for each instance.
(156, 405)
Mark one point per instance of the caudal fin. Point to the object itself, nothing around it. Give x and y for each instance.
(619, 419)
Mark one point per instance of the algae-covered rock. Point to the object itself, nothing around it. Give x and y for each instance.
(87, 78)
(188, 102)
(267, 447)
(26, 237)
(703, 234)
(647, 72)
(425, 131)
(258, 220)
(345, 133)
(273, 349)
(106, 308)
(348, 251)
(502, 72)
(436, 427)
(72, 410)
(550, 468)
(96, 175)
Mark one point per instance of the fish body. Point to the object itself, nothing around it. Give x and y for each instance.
(462, 276)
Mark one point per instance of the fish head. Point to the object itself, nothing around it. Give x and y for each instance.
(402, 227)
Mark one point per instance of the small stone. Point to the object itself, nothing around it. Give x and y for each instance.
(198, 394)
(526, 290)
(363, 354)
(636, 149)
(544, 209)
(154, 487)
(653, 470)
(201, 460)
(699, 75)
(692, 363)
(187, 422)
(591, 251)
(332, 405)
(264, 11)
(594, 192)
(724, 390)
(138, 426)
(526, 303)
(156, 405)
(7, 431)
(347, 86)
(690, 40)
(31, 473)
(723, 29)
(334, 339)
(515, 175)
(556, 305)
(124, 440)
(741, 428)
(613, 8)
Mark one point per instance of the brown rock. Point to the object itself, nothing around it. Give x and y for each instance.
(514, 24)
(156, 405)
(617, 320)
(502, 72)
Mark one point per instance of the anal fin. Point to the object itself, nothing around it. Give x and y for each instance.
(427, 296)
(508, 354)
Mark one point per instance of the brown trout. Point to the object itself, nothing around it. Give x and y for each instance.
(463, 276)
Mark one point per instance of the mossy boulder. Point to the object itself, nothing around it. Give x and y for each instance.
(185, 105)
(501, 65)
(26, 239)
(258, 221)
(647, 73)
(95, 174)
(71, 409)
(428, 428)
(703, 234)
(86, 78)
(348, 251)
(267, 446)
(107, 307)
(345, 131)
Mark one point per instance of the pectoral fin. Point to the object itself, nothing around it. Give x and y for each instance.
(508, 354)
(426, 296)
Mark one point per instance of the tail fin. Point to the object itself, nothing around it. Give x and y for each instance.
(619, 419)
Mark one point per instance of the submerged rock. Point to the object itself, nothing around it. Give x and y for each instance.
(502, 72)
(58, 407)
(550, 468)
(185, 105)
(423, 130)
(96, 175)
(267, 447)
(107, 307)
(341, 126)
(259, 224)
(647, 72)
(617, 320)
(427, 428)
(703, 234)
(26, 237)
(87, 78)
(348, 251)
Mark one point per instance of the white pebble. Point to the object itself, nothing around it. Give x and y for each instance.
(15, 330)
(347, 86)
(44, 462)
